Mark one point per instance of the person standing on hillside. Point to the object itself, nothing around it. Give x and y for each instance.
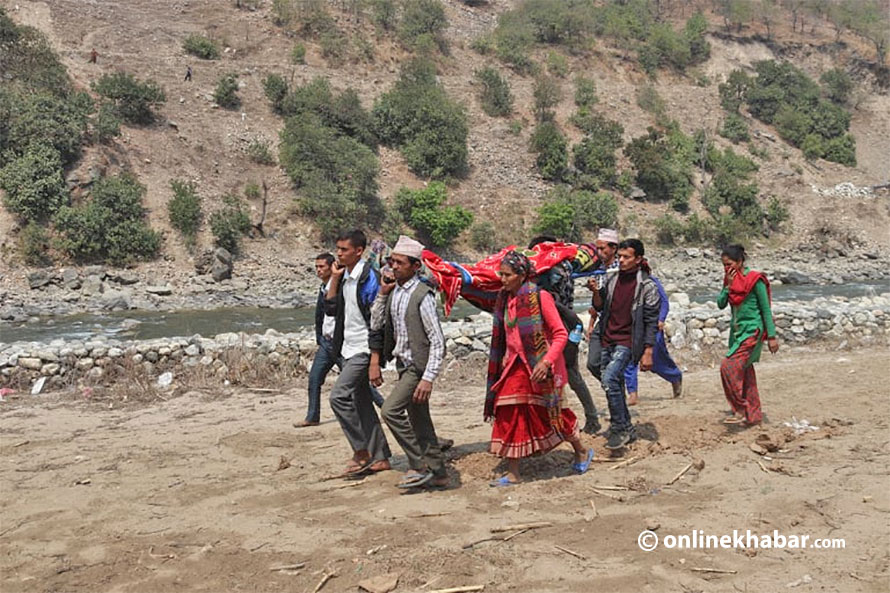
(188, 74)
(629, 303)
(94, 56)
(559, 283)
(351, 292)
(748, 295)
(324, 359)
(662, 363)
(405, 326)
(606, 249)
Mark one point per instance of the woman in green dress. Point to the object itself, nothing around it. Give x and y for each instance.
(748, 294)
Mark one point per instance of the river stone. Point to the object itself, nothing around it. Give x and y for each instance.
(125, 277)
(84, 363)
(193, 350)
(159, 290)
(50, 369)
(92, 285)
(71, 279)
(680, 298)
(151, 356)
(33, 364)
(38, 279)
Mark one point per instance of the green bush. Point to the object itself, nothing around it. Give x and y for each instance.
(201, 46)
(483, 237)
(585, 92)
(649, 100)
(27, 59)
(664, 47)
(343, 112)
(568, 214)
(298, 54)
(423, 210)
(494, 94)
(734, 91)
(230, 223)
(594, 156)
(252, 190)
(547, 94)
(59, 121)
(551, 146)
(275, 88)
(34, 245)
(812, 147)
(107, 123)
(837, 85)
(418, 117)
(668, 229)
(735, 128)
(184, 209)
(729, 188)
(259, 152)
(423, 18)
(364, 49)
(663, 165)
(111, 226)
(334, 46)
(384, 14)
(694, 31)
(841, 150)
(776, 213)
(134, 100)
(226, 93)
(557, 64)
(33, 182)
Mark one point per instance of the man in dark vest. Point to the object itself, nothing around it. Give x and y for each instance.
(405, 326)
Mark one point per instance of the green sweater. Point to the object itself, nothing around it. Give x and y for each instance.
(752, 316)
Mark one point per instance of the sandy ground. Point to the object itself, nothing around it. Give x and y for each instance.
(187, 495)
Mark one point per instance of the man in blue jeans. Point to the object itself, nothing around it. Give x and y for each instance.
(628, 304)
(662, 363)
(324, 359)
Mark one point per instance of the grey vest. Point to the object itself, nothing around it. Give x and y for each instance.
(418, 341)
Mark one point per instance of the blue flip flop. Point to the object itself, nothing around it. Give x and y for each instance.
(502, 482)
(583, 466)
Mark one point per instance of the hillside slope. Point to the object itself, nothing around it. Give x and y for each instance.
(198, 141)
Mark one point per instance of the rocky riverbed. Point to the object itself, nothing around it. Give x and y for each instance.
(228, 356)
(32, 294)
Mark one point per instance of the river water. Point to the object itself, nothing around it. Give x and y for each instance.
(146, 325)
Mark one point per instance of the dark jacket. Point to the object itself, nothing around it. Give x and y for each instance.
(384, 340)
(644, 313)
(319, 314)
(368, 285)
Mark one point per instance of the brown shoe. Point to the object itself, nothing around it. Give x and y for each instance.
(677, 388)
(304, 423)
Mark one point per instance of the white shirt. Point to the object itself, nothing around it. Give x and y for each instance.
(355, 330)
(329, 322)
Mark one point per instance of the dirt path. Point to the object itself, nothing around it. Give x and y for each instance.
(186, 494)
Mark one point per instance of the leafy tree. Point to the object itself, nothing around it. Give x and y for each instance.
(552, 150)
(568, 214)
(134, 100)
(735, 128)
(59, 121)
(111, 226)
(594, 156)
(423, 210)
(201, 46)
(548, 94)
(663, 166)
(35, 245)
(33, 182)
(275, 88)
(226, 93)
(734, 90)
(585, 92)
(494, 95)
(423, 18)
(185, 209)
(837, 85)
(417, 116)
(230, 223)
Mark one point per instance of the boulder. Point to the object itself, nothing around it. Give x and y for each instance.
(71, 279)
(159, 290)
(39, 279)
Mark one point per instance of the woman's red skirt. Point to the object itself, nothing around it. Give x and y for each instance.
(524, 429)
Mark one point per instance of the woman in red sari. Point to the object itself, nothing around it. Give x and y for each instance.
(526, 374)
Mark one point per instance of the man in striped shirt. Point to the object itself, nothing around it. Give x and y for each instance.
(405, 327)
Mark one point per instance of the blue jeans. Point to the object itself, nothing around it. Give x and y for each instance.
(322, 364)
(613, 363)
(662, 365)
